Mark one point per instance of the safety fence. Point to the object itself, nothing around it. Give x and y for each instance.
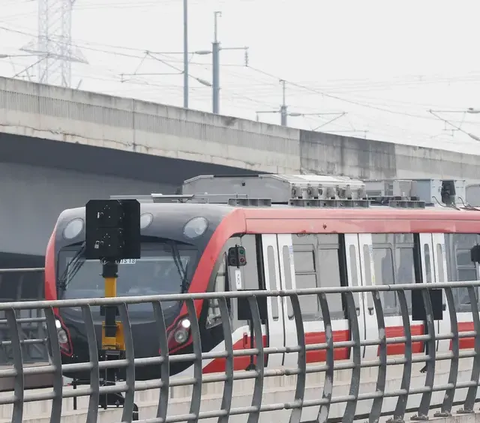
(23, 285)
(332, 388)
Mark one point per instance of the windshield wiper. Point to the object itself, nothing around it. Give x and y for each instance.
(73, 266)
(178, 262)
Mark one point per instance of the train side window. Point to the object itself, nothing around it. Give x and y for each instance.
(353, 260)
(317, 264)
(288, 279)
(441, 269)
(394, 262)
(460, 268)
(384, 274)
(273, 280)
(428, 263)
(306, 277)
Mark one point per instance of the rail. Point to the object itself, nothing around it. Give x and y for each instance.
(377, 402)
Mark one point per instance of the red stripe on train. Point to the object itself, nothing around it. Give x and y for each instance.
(465, 343)
(218, 365)
(342, 353)
(320, 338)
(398, 332)
(241, 363)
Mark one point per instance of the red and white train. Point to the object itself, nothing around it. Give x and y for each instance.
(298, 232)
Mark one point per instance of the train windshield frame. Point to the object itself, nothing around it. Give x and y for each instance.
(166, 267)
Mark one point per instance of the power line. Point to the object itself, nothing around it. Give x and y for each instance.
(257, 92)
(284, 113)
(357, 103)
(53, 45)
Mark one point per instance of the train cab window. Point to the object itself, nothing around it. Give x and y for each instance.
(317, 264)
(394, 262)
(460, 267)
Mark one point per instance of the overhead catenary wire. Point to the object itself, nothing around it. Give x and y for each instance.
(262, 91)
(305, 86)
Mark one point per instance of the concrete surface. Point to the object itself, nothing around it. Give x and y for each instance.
(277, 390)
(31, 381)
(40, 178)
(69, 116)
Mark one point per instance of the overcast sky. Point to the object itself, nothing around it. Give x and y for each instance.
(375, 68)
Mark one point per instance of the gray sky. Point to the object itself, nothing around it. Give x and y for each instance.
(383, 64)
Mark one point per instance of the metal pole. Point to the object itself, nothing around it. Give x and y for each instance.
(185, 54)
(216, 67)
(283, 108)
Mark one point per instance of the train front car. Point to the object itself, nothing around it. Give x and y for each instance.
(174, 238)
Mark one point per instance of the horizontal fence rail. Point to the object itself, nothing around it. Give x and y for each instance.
(323, 378)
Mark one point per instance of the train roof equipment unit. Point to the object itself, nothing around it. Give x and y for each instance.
(268, 190)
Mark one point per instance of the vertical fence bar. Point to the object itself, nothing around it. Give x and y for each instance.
(356, 358)
(430, 376)
(472, 390)
(447, 404)
(296, 414)
(260, 366)
(19, 383)
(229, 364)
(165, 366)
(129, 403)
(197, 350)
(382, 352)
(399, 413)
(94, 400)
(330, 360)
(56, 414)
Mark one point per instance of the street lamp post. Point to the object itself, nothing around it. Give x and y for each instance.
(216, 66)
(185, 54)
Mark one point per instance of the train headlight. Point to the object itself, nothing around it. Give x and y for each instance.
(61, 334)
(146, 220)
(182, 332)
(186, 324)
(195, 227)
(73, 228)
(181, 336)
(62, 337)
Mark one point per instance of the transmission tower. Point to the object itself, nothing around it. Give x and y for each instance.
(54, 43)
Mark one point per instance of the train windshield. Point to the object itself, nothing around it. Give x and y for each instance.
(164, 268)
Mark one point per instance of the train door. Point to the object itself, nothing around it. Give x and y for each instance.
(430, 264)
(440, 267)
(319, 261)
(287, 276)
(280, 275)
(275, 322)
(461, 268)
(355, 259)
(395, 261)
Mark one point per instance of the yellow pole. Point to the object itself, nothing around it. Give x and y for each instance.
(109, 330)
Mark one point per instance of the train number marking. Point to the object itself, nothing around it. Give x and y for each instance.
(238, 279)
(128, 261)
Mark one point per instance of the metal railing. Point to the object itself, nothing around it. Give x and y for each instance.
(317, 381)
(23, 285)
